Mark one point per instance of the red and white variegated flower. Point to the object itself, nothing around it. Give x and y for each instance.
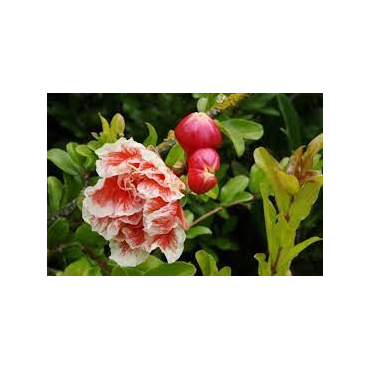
(136, 203)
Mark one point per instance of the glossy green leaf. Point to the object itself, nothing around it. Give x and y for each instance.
(152, 137)
(270, 167)
(73, 154)
(150, 263)
(225, 271)
(84, 150)
(291, 119)
(213, 193)
(189, 216)
(256, 176)
(93, 145)
(233, 187)
(303, 201)
(117, 126)
(196, 231)
(202, 104)
(206, 263)
(126, 271)
(173, 269)
(270, 221)
(312, 149)
(106, 129)
(57, 232)
(294, 252)
(176, 154)
(80, 267)
(62, 160)
(90, 239)
(55, 193)
(238, 130)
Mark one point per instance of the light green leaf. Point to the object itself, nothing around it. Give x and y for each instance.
(264, 268)
(202, 104)
(57, 232)
(312, 149)
(75, 157)
(150, 263)
(80, 267)
(213, 193)
(303, 201)
(256, 176)
(55, 193)
(238, 130)
(152, 137)
(270, 221)
(176, 154)
(233, 187)
(173, 269)
(106, 129)
(271, 167)
(225, 271)
(241, 197)
(84, 150)
(93, 145)
(62, 160)
(294, 252)
(117, 126)
(292, 121)
(206, 263)
(189, 216)
(126, 271)
(196, 231)
(289, 182)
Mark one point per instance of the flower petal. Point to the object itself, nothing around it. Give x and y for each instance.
(125, 256)
(149, 189)
(116, 159)
(171, 244)
(163, 219)
(106, 198)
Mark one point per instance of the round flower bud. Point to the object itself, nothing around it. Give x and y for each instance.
(198, 130)
(202, 165)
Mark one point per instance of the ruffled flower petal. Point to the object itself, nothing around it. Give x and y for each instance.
(107, 198)
(125, 256)
(171, 244)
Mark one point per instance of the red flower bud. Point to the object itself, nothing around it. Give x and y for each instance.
(203, 164)
(198, 130)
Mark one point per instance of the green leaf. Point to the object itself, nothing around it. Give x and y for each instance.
(150, 263)
(233, 187)
(126, 271)
(271, 167)
(264, 268)
(206, 263)
(93, 145)
(312, 149)
(152, 137)
(202, 104)
(292, 122)
(75, 157)
(225, 271)
(189, 216)
(173, 269)
(90, 238)
(196, 231)
(62, 160)
(256, 176)
(58, 232)
(270, 221)
(55, 193)
(289, 182)
(117, 126)
(81, 267)
(213, 193)
(84, 150)
(303, 201)
(294, 252)
(241, 197)
(106, 129)
(176, 154)
(238, 130)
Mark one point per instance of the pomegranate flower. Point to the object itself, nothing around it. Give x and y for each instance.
(135, 205)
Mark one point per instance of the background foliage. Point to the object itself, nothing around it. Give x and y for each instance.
(288, 120)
